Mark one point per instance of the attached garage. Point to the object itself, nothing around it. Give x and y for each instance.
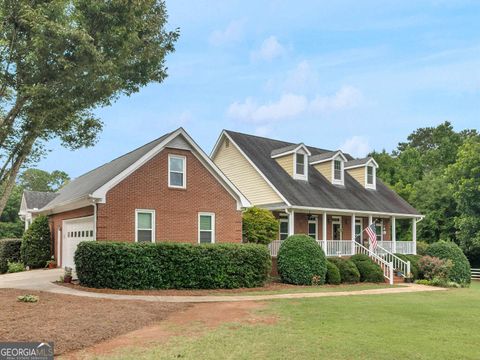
(74, 232)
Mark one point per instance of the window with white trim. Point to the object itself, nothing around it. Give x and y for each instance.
(370, 176)
(145, 225)
(337, 170)
(313, 226)
(206, 228)
(379, 229)
(177, 171)
(283, 228)
(300, 166)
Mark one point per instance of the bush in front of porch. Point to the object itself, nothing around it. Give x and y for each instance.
(348, 270)
(369, 271)
(301, 260)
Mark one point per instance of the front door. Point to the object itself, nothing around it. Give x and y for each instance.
(336, 228)
(359, 231)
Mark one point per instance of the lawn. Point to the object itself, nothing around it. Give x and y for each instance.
(430, 325)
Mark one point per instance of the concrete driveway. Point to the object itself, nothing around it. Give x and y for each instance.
(31, 280)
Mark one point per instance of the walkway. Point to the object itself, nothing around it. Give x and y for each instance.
(42, 280)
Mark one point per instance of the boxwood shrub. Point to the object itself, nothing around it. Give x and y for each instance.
(460, 273)
(115, 265)
(300, 259)
(369, 270)
(9, 252)
(36, 243)
(414, 269)
(348, 270)
(333, 274)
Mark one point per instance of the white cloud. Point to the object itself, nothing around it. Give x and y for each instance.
(302, 78)
(269, 50)
(232, 33)
(346, 97)
(356, 146)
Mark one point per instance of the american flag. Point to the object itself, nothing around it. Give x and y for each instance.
(371, 231)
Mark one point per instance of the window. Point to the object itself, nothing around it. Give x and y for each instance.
(300, 166)
(283, 228)
(337, 231)
(370, 175)
(312, 227)
(379, 230)
(206, 228)
(177, 171)
(337, 173)
(358, 230)
(145, 225)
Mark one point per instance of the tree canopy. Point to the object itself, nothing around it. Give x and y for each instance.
(41, 180)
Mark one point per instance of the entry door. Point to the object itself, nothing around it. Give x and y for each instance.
(336, 229)
(74, 232)
(359, 231)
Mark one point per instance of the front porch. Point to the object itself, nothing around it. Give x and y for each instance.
(337, 232)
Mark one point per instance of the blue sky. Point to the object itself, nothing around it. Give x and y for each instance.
(355, 75)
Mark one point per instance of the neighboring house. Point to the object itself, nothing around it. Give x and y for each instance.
(166, 190)
(33, 201)
(326, 194)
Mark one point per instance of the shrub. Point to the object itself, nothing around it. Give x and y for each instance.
(413, 264)
(9, 252)
(369, 271)
(435, 268)
(28, 298)
(14, 267)
(422, 247)
(259, 226)
(333, 274)
(300, 259)
(460, 272)
(348, 270)
(114, 265)
(35, 249)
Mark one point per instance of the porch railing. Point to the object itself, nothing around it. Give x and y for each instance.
(334, 247)
(402, 247)
(386, 266)
(398, 264)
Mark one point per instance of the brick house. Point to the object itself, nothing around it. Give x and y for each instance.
(166, 190)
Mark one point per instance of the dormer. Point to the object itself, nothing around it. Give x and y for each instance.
(294, 160)
(364, 171)
(330, 164)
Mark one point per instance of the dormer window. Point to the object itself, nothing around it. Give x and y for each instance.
(337, 174)
(370, 178)
(294, 160)
(301, 169)
(369, 175)
(330, 164)
(364, 171)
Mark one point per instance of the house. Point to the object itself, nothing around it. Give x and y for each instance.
(326, 194)
(33, 201)
(166, 190)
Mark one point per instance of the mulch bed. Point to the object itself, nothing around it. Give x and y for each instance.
(74, 322)
(270, 286)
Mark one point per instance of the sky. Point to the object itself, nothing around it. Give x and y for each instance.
(349, 75)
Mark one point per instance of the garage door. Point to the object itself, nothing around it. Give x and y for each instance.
(74, 232)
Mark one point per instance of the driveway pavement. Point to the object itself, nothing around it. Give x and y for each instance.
(43, 280)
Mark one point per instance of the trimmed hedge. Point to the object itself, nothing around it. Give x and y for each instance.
(9, 252)
(369, 271)
(348, 270)
(114, 265)
(460, 273)
(333, 274)
(36, 243)
(300, 259)
(414, 268)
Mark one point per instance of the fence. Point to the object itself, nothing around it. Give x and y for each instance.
(475, 274)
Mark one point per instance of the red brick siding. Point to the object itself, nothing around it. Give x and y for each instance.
(176, 210)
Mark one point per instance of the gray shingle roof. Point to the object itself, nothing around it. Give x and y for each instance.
(322, 156)
(356, 162)
(318, 191)
(284, 149)
(38, 199)
(92, 180)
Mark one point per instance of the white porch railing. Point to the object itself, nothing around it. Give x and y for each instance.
(398, 264)
(386, 266)
(334, 247)
(402, 247)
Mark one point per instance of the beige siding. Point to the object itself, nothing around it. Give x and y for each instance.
(358, 174)
(325, 169)
(286, 162)
(237, 168)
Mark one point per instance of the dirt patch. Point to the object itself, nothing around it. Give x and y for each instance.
(193, 321)
(74, 322)
(271, 286)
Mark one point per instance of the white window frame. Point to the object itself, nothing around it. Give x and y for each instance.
(283, 219)
(141, 211)
(212, 215)
(342, 171)
(303, 176)
(314, 221)
(359, 222)
(374, 173)
(379, 222)
(184, 159)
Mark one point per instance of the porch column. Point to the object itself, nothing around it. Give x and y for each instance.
(370, 220)
(324, 231)
(414, 235)
(291, 223)
(393, 234)
(353, 234)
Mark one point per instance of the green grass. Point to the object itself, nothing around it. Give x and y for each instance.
(429, 325)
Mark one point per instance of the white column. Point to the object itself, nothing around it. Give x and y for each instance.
(291, 223)
(393, 234)
(353, 234)
(324, 231)
(414, 235)
(370, 220)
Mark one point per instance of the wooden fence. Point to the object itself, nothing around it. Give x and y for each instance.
(475, 274)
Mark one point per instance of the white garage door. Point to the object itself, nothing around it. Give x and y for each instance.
(74, 232)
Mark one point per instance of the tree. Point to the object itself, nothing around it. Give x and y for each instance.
(10, 224)
(36, 243)
(60, 60)
(40, 180)
(259, 226)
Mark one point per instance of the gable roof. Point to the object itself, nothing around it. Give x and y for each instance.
(318, 192)
(326, 156)
(360, 162)
(95, 183)
(37, 199)
(288, 150)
